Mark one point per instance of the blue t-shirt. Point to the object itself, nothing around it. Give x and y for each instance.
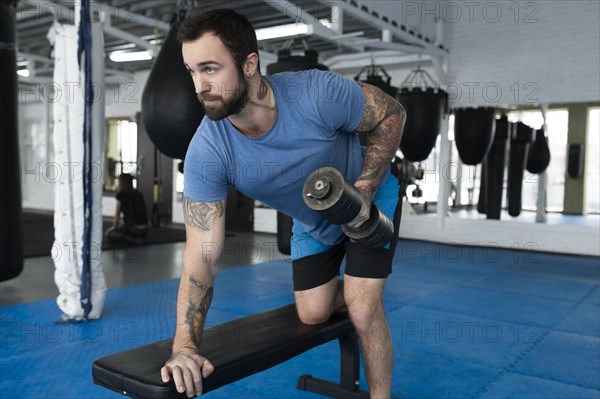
(316, 115)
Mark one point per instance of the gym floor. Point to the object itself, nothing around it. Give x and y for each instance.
(123, 267)
(467, 322)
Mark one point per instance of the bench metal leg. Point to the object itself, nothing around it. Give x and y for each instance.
(349, 374)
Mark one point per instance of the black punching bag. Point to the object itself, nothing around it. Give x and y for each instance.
(170, 110)
(11, 238)
(482, 203)
(378, 77)
(473, 133)
(290, 63)
(494, 169)
(539, 154)
(425, 110)
(519, 148)
(286, 62)
(426, 105)
(284, 233)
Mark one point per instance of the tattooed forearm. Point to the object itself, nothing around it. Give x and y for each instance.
(382, 145)
(383, 119)
(202, 214)
(197, 284)
(200, 298)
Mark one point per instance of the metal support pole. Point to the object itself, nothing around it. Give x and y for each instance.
(444, 191)
(540, 214)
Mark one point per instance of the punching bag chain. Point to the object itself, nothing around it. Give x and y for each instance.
(419, 78)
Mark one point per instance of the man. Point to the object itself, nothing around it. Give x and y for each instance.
(265, 135)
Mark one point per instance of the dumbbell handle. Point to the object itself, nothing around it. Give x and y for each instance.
(328, 192)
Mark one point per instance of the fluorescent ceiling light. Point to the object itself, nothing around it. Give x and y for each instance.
(23, 72)
(128, 56)
(275, 32)
(325, 22)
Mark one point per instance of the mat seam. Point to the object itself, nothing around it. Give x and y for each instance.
(528, 350)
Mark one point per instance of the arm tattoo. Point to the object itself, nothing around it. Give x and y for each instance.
(200, 298)
(383, 119)
(202, 214)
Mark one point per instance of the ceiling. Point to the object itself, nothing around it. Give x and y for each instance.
(353, 33)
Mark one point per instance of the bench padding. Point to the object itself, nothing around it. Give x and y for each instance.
(237, 349)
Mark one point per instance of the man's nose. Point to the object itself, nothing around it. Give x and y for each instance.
(202, 86)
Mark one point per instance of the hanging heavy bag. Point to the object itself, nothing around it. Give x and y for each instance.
(538, 158)
(284, 233)
(482, 203)
(286, 62)
(378, 77)
(519, 149)
(171, 112)
(11, 236)
(473, 133)
(494, 169)
(426, 105)
(425, 110)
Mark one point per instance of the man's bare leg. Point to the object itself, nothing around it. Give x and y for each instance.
(317, 304)
(364, 298)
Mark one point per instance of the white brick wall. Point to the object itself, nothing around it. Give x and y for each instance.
(126, 99)
(525, 52)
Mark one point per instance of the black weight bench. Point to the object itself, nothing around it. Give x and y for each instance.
(237, 349)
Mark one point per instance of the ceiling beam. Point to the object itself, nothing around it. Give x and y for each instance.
(50, 61)
(319, 30)
(122, 15)
(406, 48)
(57, 10)
(121, 34)
(119, 14)
(351, 62)
(36, 57)
(382, 25)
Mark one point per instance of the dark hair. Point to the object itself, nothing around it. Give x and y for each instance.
(125, 182)
(234, 30)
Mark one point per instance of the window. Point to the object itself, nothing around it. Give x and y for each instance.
(592, 162)
(177, 165)
(121, 151)
(557, 130)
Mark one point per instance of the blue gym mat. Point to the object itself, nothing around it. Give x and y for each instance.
(466, 323)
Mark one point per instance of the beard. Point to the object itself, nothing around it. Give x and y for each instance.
(221, 108)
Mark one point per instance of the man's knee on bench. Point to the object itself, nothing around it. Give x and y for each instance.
(315, 306)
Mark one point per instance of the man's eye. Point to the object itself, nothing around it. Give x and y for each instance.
(209, 70)
(190, 71)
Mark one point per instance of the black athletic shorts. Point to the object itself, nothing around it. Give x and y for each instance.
(323, 263)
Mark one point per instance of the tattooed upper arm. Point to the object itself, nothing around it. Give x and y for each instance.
(202, 215)
(378, 105)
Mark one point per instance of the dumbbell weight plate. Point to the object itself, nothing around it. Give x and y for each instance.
(329, 193)
(375, 232)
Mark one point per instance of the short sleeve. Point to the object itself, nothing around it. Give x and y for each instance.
(204, 171)
(341, 101)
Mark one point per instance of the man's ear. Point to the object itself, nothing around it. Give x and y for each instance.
(251, 65)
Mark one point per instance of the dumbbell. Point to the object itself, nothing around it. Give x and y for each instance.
(328, 192)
